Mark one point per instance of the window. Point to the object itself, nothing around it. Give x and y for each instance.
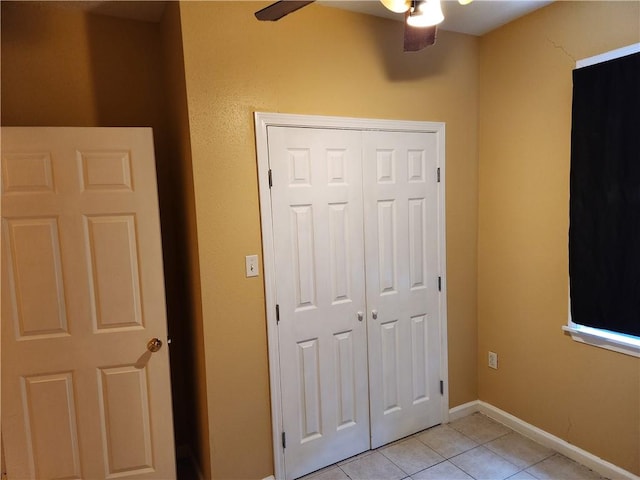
(604, 233)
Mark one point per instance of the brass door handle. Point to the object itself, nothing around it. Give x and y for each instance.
(154, 345)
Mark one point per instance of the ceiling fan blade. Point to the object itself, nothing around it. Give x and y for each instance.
(277, 10)
(417, 38)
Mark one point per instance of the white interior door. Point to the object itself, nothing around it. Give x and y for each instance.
(319, 253)
(401, 238)
(82, 294)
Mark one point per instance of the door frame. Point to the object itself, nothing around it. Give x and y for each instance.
(262, 122)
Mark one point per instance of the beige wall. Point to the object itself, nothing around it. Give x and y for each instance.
(61, 67)
(588, 396)
(316, 61)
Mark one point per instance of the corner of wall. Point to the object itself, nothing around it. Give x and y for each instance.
(191, 362)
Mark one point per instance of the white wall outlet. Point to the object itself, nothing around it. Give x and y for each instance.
(493, 360)
(251, 264)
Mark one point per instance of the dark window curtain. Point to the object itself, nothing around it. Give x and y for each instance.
(604, 233)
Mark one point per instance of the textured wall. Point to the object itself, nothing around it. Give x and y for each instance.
(588, 396)
(316, 61)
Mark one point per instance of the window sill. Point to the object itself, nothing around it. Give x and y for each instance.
(598, 338)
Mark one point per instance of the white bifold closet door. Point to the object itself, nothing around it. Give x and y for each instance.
(356, 247)
(401, 240)
(320, 281)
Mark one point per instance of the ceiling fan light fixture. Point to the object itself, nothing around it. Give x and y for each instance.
(397, 6)
(464, 2)
(425, 13)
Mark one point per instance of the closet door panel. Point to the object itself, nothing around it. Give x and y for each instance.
(316, 202)
(401, 240)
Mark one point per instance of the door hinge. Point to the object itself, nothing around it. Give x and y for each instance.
(438, 174)
(277, 313)
(441, 387)
(439, 284)
(284, 440)
(270, 179)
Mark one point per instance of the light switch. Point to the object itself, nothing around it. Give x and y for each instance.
(251, 263)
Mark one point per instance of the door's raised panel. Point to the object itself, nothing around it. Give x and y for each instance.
(420, 358)
(339, 252)
(345, 379)
(416, 166)
(303, 256)
(389, 338)
(35, 277)
(299, 167)
(126, 428)
(114, 278)
(337, 167)
(387, 246)
(52, 433)
(105, 170)
(417, 244)
(27, 173)
(386, 166)
(310, 403)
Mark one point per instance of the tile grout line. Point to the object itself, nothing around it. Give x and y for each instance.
(554, 452)
(422, 470)
(484, 444)
(444, 459)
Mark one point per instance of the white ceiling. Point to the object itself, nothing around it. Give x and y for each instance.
(477, 18)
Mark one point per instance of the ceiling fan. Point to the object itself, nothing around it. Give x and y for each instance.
(421, 18)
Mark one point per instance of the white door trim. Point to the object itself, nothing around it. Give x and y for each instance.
(262, 122)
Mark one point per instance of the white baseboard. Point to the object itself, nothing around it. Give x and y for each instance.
(270, 477)
(463, 410)
(587, 459)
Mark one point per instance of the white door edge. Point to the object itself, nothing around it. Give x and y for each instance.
(262, 122)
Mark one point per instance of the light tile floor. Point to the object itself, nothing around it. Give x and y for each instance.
(473, 447)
